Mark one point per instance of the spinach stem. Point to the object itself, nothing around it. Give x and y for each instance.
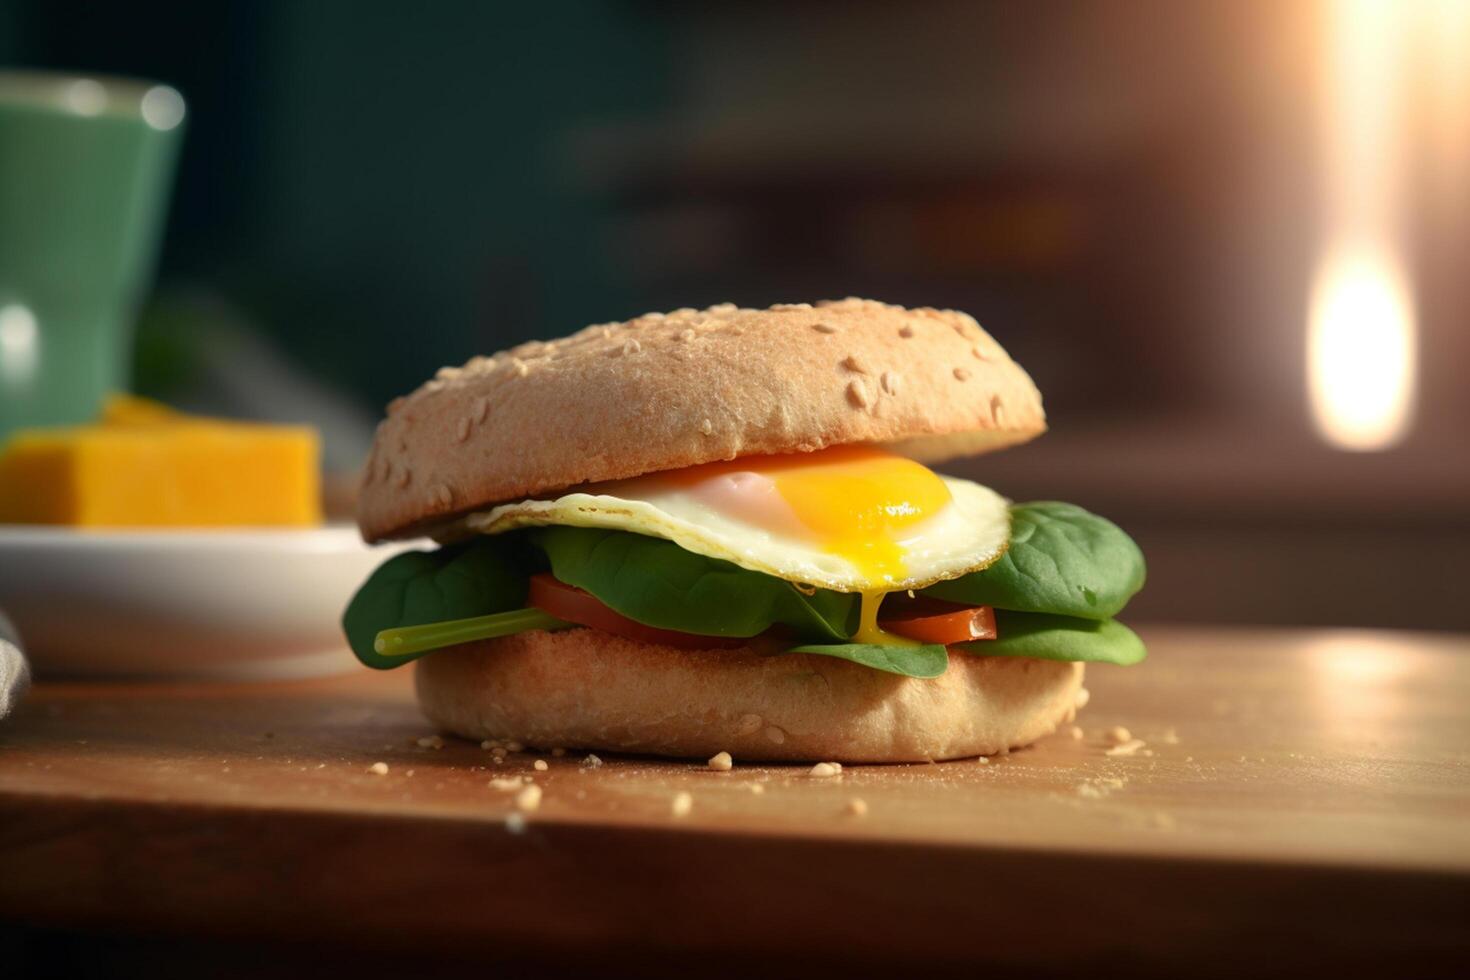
(404, 641)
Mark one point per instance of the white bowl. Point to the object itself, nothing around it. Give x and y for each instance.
(190, 603)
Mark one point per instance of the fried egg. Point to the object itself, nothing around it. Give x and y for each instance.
(849, 518)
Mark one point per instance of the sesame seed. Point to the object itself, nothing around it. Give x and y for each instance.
(1118, 735)
(482, 410)
(686, 335)
(857, 393)
(822, 326)
(959, 327)
(487, 745)
(889, 382)
(1076, 732)
(706, 426)
(906, 331)
(520, 367)
(1083, 696)
(997, 409)
(402, 478)
(514, 747)
(591, 762)
(979, 354)
(515, 823)
(506, 784)
(790, 307)
(962, 374)
(748, 725)
(462, 431)
(681, 804)
(529, 798)
(855, 364)
(982, 760)
(540, 765)
(721, 762)
(824, 770)
(774, 734)
(632, 347)
(430, 742)
(378, 768)
(442, 496)
(857, 808)
(757, 789)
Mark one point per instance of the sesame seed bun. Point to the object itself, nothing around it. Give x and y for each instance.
(585, 689)
(666, 391)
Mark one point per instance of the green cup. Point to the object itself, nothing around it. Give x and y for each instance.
(85, 169)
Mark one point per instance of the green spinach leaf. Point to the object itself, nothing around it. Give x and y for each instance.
(473, 578)
(658, 583)
(926, 661)
(1060, 638)
(1061, 560)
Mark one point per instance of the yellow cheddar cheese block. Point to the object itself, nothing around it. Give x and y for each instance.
(145, 465)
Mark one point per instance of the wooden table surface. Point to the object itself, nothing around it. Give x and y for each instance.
(1302, 795)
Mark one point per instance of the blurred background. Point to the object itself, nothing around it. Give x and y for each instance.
(1230, 240)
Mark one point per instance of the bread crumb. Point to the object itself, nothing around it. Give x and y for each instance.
(529, 798)
(558, 752)
(1083, 696)
(540, 765)
(1076, 732)
(591, 762)
(378, 768)
(721, 762)
(823, 770)
(506, 784)
(1126, 748)
(983, 760)
(431, 742)
(1118, 735)
(857, 808)
(681, 804)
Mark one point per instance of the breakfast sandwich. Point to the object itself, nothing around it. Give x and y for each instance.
(718, 531)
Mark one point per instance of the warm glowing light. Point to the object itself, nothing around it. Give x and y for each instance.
(1362, 336)
(1361, 350)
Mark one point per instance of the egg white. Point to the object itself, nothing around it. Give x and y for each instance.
(968, 534)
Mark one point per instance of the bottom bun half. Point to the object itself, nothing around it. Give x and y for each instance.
(585, 689)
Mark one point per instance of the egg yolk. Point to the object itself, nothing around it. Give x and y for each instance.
(856, 502)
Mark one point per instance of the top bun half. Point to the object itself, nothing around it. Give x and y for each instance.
(669, 390)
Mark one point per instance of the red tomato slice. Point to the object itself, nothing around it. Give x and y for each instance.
(583, 608)
(935, 621)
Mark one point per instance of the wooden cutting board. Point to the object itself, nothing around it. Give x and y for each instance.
(1304, 792)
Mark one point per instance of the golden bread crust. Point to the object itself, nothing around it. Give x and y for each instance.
(665, 391)
(585, 689)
